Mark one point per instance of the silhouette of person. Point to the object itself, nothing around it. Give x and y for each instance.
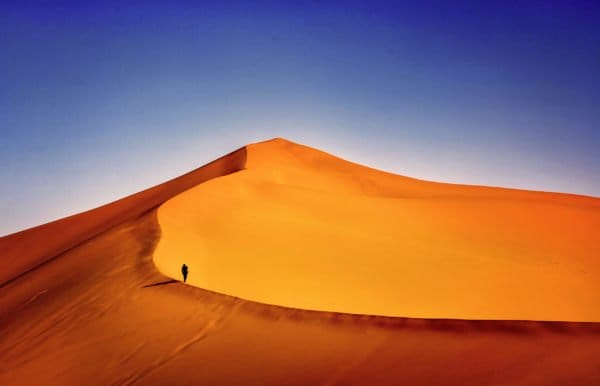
(184, 272)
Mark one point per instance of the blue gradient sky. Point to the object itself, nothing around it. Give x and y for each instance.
(99, 100)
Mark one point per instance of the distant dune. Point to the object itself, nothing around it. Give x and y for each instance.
(306, 270)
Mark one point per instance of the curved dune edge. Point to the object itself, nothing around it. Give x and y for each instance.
(300, 228)
(24, 251)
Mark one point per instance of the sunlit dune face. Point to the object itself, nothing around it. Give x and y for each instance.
(304, 229)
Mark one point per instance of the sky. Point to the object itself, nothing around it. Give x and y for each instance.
(101, 99)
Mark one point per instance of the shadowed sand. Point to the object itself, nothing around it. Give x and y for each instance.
(164, 282)
(99, 313)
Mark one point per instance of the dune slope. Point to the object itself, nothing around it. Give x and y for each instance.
(26, 250)
(301, 228)
(100, 314)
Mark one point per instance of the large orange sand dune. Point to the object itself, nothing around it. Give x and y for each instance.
(81, 300)
(301, 228)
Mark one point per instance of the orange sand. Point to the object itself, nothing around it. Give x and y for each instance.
(26, 250)
(95, 316)
(81, 301)
(301, 228)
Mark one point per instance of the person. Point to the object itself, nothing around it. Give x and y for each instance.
(184, 272)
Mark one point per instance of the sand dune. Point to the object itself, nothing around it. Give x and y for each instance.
(28, 249)
(301, 228)
(82, 301)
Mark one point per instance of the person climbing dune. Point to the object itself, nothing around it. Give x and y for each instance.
(184, 272)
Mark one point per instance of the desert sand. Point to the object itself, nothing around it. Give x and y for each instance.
(301, 228)
(306, 270)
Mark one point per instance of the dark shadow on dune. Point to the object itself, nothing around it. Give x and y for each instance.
(358, 321)
(161, 283)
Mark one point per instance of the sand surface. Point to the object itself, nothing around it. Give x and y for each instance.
(98, 312)
(301, 228)
(101, 314)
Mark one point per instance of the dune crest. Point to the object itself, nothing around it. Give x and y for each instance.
(301, 228)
